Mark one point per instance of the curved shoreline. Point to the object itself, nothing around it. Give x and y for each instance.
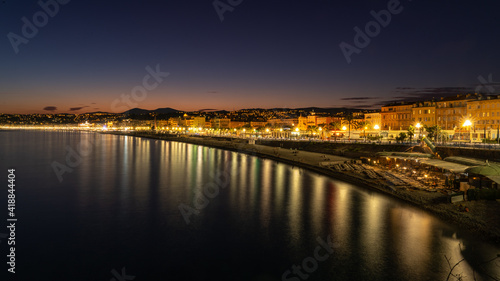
(445, 211)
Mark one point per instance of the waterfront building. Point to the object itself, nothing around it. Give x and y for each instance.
(236, 124)
(325, 120)
(198, 122)
(161, 124)
(186, 122)
(424, 113)
(221, 123)
(302, 123)
(484, 115)
(174, 122)
(396, 116)
(276, 122)
(312, 120)
(290, 122)
(258, 124)
(373, 118)
(451, 112)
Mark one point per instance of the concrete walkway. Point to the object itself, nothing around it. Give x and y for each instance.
(310, 158)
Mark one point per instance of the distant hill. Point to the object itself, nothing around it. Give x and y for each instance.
(139, 111)
(169, 110)
(136, 111)
(94, 112)
(165, 110)
(331, 110)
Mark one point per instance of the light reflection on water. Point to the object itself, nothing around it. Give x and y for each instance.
(125, 194)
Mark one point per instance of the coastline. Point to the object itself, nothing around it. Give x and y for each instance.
(478, 221)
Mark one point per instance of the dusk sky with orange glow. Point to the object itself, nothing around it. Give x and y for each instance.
(84, 55)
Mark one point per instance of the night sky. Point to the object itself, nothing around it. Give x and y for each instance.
(263, 54)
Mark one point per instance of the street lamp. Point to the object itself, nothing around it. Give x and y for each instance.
(418, 127)
(376, 127)
(468, 123)
(364, 132)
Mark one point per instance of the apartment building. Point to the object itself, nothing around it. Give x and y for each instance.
(373, 118)
(323, 120)
(174, 122)
(396, 116)
(484, 113)
(275, 122)
(236, 124)
(221, 123)
(452, 111)
(258, 124)
(199, 122)
(424, 113)
(312, 120)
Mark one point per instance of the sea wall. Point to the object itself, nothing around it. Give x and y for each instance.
(476, 152)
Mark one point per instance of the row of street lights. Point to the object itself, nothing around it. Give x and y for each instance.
(467, 124)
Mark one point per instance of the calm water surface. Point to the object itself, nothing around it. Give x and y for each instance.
(119, 208)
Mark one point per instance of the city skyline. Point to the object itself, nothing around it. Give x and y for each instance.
(86, 56)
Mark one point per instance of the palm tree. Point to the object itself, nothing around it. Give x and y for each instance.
(411, 132)
(363, 125)
(349, 120)
(334, 125)
(401, 137)
(313, 128)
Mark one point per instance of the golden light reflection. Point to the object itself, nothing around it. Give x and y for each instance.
(341, 207)
(412, 239)
(295, 212)
(266, 187)
(279, 187)
(166, 194)
(254, 189)
(188, 150)
(125, 148)
(142, 163)
(199, 164)
(243, 176)
(233, 159)
(318, 202)
(373, 230)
